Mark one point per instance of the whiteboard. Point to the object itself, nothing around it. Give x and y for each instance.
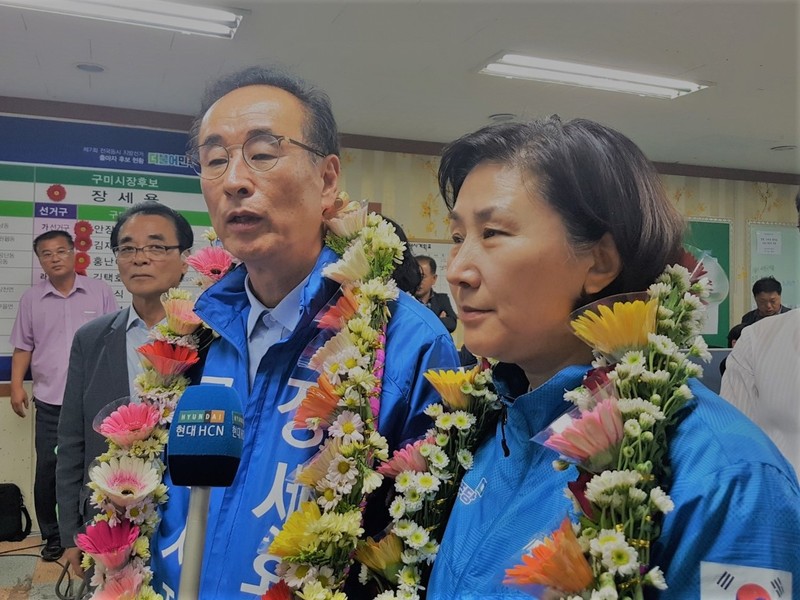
(775, 251)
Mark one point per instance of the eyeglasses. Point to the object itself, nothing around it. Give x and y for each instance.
(260, 152)
(152, 252)
(47, 255)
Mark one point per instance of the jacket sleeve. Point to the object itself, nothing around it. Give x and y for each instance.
(743, 517)
(71, 447)
(738, 382)
(449, 320)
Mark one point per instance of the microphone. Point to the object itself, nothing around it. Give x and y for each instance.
(203, 451)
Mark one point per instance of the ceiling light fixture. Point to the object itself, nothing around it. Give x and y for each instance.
(556, 71)
(147, 13)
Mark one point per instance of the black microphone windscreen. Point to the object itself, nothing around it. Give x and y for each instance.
(206, 436)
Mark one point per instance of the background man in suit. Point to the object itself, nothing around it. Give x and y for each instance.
(150, 241)
(49, 314)
(767, 294)
(763, 375)
(438, 303)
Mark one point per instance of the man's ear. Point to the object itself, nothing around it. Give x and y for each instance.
(606, 265)
(330, 168)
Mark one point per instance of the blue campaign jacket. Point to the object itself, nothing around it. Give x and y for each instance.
(244, 518)
(737, 502)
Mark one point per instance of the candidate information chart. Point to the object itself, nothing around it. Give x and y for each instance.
(85, 203)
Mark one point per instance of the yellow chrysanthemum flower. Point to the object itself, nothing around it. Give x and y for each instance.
(616, 330)
(382, 556)
(449, 385)
(297, 533)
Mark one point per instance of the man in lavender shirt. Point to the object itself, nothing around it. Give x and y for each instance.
(49, 314)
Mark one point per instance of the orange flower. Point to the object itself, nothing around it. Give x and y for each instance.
(558, 563)
(383, 557)
(320, 402)
(168, 359)
(345, 307)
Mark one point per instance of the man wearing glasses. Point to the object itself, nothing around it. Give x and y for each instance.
(149, 241)
(266, 149)
(49, 314)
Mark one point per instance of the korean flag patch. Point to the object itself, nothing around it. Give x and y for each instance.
(735, 582)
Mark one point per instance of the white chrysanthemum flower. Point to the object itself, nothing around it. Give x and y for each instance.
(372, 481)
(296, 575)
(438, 458)
(692, 301)
(646, 420)
(601, 487)
(630, 407)
(620, 558)
(379, 290)
(632, 428)
(605, 538)
(429, 551)
(409, 557)
(363, 575)
(353, 266)
(661, 500)
(387, 595)
(417, 538)
(655, 577)
(662, 344)
(427, 483)
(441, 439)
(328, 494)
(605, 593)
(636, 495)
(693, 370)
(657, 377)
(635, 361)
(679, 276)
(337, 349)
(699, 348)
(463, 420)
(404, 481)
(404, 528)
(397, 509)
(580, 397)
(348, 427)
(683, 392)
(465, 459)
(659, 290)
(445, 421)
(342, 471)
(434, 410)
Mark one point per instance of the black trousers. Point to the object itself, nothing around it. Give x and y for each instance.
(44, 484)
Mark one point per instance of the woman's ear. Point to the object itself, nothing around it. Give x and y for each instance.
(606, 265)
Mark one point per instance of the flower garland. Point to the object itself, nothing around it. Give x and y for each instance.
(427, 475)
(126, 480)
(617, 437)
(317, 542)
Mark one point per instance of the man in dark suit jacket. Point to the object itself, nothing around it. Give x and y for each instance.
(150, 242)
(438, 303)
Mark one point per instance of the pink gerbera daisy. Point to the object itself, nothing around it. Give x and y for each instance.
(181, 317)
(130, 423)
(212, 262)
(109, 546)
(122, 585)
(406, 459)
(126, 480)
(589, 437)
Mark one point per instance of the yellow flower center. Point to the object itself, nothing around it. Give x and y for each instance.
(348, 428)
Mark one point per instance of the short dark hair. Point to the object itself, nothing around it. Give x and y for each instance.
(320, 127)
(50, 235)
(182, 227)
(430, 261)
(406, 275)
(597, 180)
(735, 333)
(768, 285)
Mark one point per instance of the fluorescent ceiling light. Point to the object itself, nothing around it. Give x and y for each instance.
(147, 13)
(556, 71)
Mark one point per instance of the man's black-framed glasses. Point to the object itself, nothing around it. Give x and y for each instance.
(260, 152)
(151, 252)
